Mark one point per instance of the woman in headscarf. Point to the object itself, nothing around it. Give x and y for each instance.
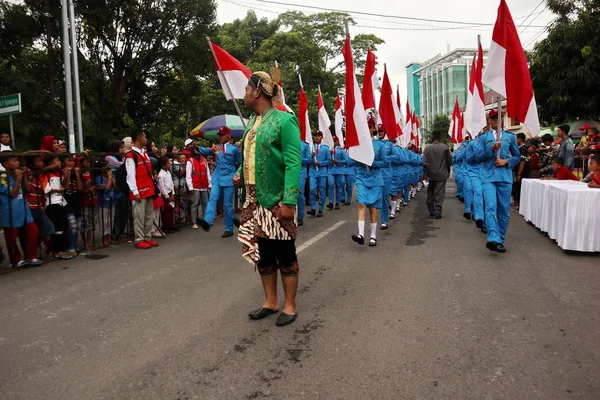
(128, 144)
(270, 175)
(49, 143)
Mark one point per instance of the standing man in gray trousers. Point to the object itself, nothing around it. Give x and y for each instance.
(437, 161)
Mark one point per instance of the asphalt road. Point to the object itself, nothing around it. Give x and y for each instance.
(428, 314)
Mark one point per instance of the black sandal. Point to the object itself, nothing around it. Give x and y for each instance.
(261, 313)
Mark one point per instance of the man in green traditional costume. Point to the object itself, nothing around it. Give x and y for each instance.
(270, 175)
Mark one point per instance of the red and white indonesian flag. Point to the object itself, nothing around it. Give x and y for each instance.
(324, 122)
(415, 128)
(453, 132)
(358, 137)
(303, 121)
(407, 127)
(387, 103)
(371, 82)
(339, 120)
(232, 74)
(507, 72)
(475, 120)
(399, 117)
(418, 138)
(283, 106)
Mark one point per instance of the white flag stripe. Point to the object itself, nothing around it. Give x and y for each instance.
(237, 82)
(364, 152)
(494, 74)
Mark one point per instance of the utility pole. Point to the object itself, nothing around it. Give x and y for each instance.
(74, 51)
(67, 70)
(48, 17)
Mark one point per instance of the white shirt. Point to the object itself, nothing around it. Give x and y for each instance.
(4, 148)
(54, 182)
(165, 183)
(188, 177)
(130, 167)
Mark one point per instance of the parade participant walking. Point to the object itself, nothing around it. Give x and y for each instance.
(228, 158)
(197, 178)
(467, 187)
(473, 173)
(141, 191)
(270, 173)
(369, 182)
(306, 161)
(398, 162)
(437, 162)
(350, 178)
(318, 174)
(339, 159)
(498, 153)
(388, 177)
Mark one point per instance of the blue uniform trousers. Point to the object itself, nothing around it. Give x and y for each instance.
(496, 196)
(335, 188)
(301, 199)
(349, 189)
(228, 192)
(477, 199)
(468, 194)
(321, 183)
(385, 200)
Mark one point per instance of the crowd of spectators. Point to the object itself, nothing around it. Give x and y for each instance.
(57, 205)
(558, 159)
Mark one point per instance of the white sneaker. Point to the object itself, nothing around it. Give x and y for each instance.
(194, 226)
(22, 263)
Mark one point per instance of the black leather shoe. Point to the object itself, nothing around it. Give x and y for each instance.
(462, 199)
(203, 224)
(492, 246)
(467, 215)
(372, 242)
(384, 227)
(311, 212)
(237, 222)
(285, 319)
(484, 230)
(227, 234)
(300, 223)
(358, 239)
(330, 206)
(431, 214)
(261, 313)
(438, 216)
(347, 203)
(319, 214)
(500, 248)
(392, 216)
(337, 206)
(479, 223)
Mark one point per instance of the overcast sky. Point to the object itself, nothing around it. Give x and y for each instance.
(408, 40)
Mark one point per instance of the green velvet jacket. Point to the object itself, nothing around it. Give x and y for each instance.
(278, 160)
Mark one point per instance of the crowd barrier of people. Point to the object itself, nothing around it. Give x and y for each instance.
(58, 205)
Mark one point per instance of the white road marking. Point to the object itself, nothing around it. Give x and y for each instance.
(318, 237)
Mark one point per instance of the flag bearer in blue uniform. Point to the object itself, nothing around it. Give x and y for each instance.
(318, 174)
(228, 158)
(498, 155)
(337, 174)
(467, 187)
(306, 161)
(388, 177)
(458, 172)
(369, 182)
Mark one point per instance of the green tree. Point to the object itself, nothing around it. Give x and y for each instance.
(565, 66)
(440, 123)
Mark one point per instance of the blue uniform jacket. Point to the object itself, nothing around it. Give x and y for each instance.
(323, 156)
(371, 176)
(307, 159)
(472, 165)
(339, 154)
(387, 156)
(487, 157)
(227, 164)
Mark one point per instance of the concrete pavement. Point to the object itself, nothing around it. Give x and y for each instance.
(427, 314)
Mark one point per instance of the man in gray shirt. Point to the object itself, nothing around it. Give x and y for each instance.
(437, 161)
(566, 150)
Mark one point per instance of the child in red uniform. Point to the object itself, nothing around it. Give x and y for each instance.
(37, 201)
(594, 167)
(561, 173)
(16, 216)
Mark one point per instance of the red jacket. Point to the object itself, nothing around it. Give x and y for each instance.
(564, 174)
(143, 175)
(199, 173)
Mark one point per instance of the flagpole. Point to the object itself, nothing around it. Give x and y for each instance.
(235, 104)
(499, 131)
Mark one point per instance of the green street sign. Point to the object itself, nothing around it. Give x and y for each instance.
(10, 104)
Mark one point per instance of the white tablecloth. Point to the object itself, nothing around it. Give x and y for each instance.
(567, 210)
